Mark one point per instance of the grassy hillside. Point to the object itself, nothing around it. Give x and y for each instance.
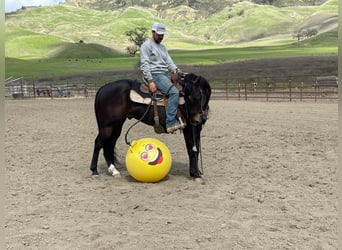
(45, 42)
(78, 60)
(82, 50)
(71, 24)
(39, 32)
(205, 7)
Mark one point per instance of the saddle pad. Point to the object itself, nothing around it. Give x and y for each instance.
(135, 97)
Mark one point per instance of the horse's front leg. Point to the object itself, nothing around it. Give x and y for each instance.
(192, 140)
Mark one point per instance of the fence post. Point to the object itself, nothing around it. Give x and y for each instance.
(34, 89)
(226, 90)
(245, 91)
(267, 88)
(67, 89)
(239, 90)
(51, 94)
(86, 94)
(22, 89)
(290, 90)
(301, 90)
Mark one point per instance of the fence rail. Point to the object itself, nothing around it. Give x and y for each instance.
(275, 92)
(281, 90)
(26, 89)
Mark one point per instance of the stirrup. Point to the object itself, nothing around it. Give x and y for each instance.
(181, 122)
(180, 125)
(174, 128)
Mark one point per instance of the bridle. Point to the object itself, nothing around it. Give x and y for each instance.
(204, 108)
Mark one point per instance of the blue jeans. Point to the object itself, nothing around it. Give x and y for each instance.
(163, 83)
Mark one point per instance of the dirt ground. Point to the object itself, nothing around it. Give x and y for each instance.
(270, 170)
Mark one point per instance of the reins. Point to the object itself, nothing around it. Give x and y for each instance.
(142, 117)
(199, 151)
(153, 98)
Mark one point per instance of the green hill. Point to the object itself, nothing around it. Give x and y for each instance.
(82, 50)
(204, 7)
(48, 32)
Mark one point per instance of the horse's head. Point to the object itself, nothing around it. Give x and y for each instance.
(197, 93)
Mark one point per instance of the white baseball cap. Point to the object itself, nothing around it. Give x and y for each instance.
(159, 28)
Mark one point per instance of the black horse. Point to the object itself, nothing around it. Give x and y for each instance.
(113, 105)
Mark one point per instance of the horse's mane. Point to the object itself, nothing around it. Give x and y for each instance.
(200, 81)
(205, 85)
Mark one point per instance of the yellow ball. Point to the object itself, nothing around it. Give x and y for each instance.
(148, 160)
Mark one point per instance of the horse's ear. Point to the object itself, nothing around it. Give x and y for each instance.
(196, 79)
(191, 77)
(187, 77)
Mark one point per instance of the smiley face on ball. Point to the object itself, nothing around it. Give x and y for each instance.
(152, 155)
(148, 160)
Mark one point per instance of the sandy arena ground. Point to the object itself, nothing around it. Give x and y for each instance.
(270, 169)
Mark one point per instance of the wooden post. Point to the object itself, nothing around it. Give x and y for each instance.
(226, 90)
(239, 91)
(301, 90)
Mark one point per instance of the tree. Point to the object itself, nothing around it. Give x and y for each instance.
(132, 50)
(137, 35)
(312, 32)
(301, 34)
(298, 35)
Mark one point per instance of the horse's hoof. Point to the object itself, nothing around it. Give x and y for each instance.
(199, 180)
(113, 171)
(116, 175)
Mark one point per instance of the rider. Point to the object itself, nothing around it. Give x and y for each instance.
(156, 65)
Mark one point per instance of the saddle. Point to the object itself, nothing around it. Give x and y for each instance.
(140, 93)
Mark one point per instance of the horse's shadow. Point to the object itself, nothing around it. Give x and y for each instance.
(179, 169)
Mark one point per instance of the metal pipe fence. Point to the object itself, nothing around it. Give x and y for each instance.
(263, 90)
(57, 89)
(288, 90)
